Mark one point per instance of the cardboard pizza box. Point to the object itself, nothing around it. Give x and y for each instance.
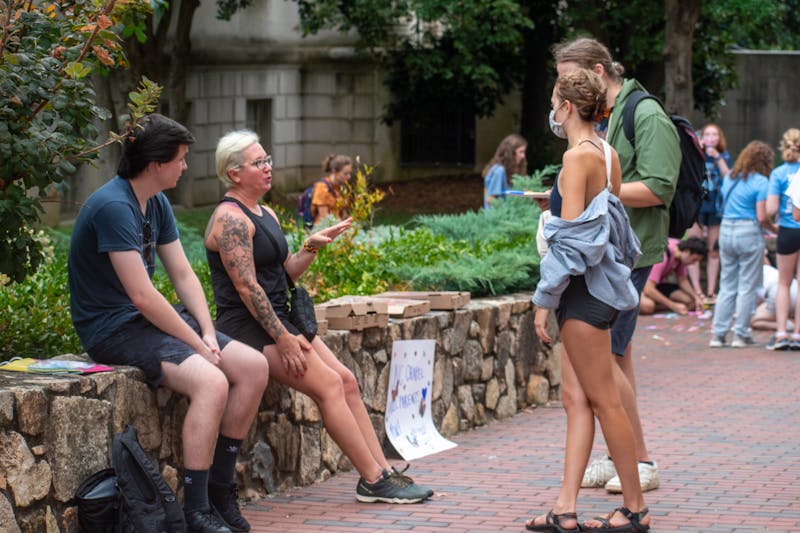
(441, 300)
(356, 312)
(405, 308)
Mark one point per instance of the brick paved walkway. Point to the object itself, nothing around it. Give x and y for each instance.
(724, 426)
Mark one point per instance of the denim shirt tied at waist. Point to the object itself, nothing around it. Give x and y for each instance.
(598, 244)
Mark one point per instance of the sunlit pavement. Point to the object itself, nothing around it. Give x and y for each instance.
(723, 425)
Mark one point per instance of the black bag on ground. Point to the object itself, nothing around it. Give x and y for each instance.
(689, 191)
(146, 501)
(98, 502)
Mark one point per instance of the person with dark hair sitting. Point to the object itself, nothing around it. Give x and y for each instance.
(122, 319)
(659, 293)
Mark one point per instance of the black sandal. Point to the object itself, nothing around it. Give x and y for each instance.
(552, 523)
(634, 522)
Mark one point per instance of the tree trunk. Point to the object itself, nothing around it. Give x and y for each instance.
(681, 18)
(543, 147)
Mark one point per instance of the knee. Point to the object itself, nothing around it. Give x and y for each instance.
(572, 401)
(212, 386)
(349, 383)
(646, 306)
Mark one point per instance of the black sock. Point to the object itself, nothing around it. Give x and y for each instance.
(195, 490)
(651, 463)
(225, 454)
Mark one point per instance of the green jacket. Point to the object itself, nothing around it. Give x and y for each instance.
(656, 163)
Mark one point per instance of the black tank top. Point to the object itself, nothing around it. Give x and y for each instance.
(555, 196)
(268, 263)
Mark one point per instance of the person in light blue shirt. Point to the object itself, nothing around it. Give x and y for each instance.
(788, 245)
(508, 159)
(741, 244)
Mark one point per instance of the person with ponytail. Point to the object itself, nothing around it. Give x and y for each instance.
(586, 278)
(327, 198)
(788, 243)
(649, 177)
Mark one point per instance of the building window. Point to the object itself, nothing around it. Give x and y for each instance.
(259, 120)
(447, 138)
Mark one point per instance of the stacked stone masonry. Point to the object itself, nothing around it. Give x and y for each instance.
(56, 430)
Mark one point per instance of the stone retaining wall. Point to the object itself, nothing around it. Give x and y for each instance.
(56, 431)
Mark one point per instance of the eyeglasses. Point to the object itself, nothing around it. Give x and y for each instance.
(260, 164)
(147, 245)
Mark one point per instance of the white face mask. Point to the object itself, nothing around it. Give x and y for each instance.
(557, 127)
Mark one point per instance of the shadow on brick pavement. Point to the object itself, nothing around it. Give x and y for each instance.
(723, 425)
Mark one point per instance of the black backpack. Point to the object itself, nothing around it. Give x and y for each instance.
(304, 216)
(690, 190)
(98, 502)
(146, 501)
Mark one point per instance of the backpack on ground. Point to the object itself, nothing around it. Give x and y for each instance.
(690, 190)
(305, 215)
(146, 501)
(98, 502)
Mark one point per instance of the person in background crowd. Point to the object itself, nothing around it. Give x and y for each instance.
(327, 198)
(764, 316)
(718, 165)
(788, 243)
(249, 261)
(122, 319)
(586, 276)
(509, 159)
(741, 244)
(649, 177)
(659, 293)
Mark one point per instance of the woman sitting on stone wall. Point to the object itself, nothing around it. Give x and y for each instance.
(247, 254)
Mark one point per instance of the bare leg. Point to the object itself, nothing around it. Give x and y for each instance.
(712, 261)
(787, 266)
(354, 402)
(693, 271)
(626, 381)
(580, 436)
(590, 353)
(247, 373)
(206, 387)
(324, 385)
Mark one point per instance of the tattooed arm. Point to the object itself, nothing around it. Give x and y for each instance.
(230, 233)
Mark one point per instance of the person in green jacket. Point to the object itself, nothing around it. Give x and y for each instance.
(649, 177)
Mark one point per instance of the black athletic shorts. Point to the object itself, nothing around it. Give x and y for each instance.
(788, 240)
(139, 343)
(576, 302)
(240, 324)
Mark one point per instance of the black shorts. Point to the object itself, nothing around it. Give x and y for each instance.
(141, 344)
(788, 240)
(240, 324)
(576, 302)
(622, 332)
(667, 288)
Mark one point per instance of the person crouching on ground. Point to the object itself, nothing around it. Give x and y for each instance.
(249, 261)
(585, 275)
(659, 294)
(122, 319)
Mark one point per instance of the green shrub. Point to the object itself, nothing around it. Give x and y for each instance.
(34, 314)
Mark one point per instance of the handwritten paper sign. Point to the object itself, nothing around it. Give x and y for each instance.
(408, 409)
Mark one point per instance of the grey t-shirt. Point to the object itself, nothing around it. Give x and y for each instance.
(111, 221)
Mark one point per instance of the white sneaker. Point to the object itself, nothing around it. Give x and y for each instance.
(717, 341)
(742, 342)
(648, 479)
(598, 473)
